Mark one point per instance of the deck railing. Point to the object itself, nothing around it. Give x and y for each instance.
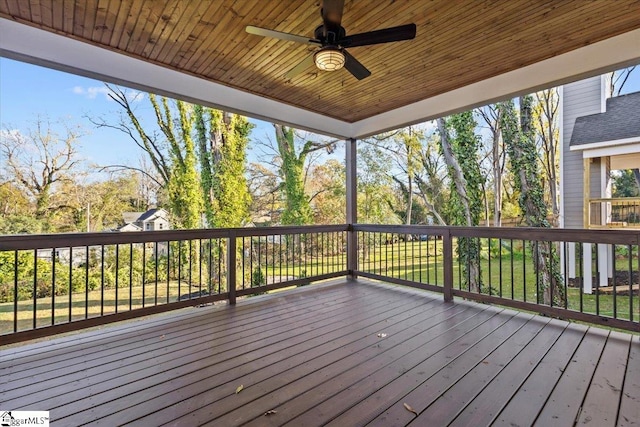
(594, 274)
(614, 212)
(57, 283)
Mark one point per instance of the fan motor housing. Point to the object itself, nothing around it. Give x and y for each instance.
(331, 38)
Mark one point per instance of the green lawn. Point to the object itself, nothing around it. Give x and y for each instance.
(91, 307)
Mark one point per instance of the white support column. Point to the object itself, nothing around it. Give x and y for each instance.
(603, 264)
(587, 269)
(571, 258)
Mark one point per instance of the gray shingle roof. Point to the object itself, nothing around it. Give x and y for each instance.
(620, 121)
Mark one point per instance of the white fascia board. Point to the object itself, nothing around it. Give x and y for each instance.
(29, 44)
(610, 54)
(616, 150)
(607, 145)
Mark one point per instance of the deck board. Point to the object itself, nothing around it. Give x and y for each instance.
(607, 382)
(316, 356)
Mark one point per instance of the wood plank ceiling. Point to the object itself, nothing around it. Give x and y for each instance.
(458, 42)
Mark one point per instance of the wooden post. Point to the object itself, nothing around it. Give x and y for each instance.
(231, 268)
(352, 207)
(447, 254)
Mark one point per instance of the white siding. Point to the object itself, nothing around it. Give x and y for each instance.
(578, 99)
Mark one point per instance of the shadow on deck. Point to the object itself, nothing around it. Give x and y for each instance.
(341, 354)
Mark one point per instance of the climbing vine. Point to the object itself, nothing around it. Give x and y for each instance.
(521, 150)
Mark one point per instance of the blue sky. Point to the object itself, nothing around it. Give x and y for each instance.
(28, 92)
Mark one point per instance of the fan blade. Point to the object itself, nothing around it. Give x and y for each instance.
(393, 34)
(306, 63)
(354, 66)
(280, 35)
(332, 15)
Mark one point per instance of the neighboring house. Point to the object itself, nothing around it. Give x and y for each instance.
(599, 134)
(151, 220)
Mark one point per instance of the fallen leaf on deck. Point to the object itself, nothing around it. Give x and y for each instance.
(410, 409)
(239, 389)
(485, 362)
(270, 412)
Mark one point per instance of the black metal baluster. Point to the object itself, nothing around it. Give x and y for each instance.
(35, 286)
(101, 280)
(15, 291)
(70, 282)
(86, 282)
(117, 275)
(130, 276)
(53, 286)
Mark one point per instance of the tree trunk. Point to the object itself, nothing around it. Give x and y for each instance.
(465, 244)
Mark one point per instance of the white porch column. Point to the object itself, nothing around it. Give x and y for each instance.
(587, 270)
(571, 258)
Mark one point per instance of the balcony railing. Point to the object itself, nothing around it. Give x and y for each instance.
(56, 283)
(614, 212)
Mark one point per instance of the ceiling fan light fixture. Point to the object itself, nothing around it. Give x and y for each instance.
(329, 59)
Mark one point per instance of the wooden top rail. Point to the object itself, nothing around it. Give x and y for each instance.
(619, 237)
(615, 200)
(46, 241)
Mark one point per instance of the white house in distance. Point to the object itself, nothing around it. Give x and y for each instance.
(599, 134)
(151, 220)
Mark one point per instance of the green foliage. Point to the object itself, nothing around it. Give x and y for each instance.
(222, 150)
(297, 209)
(521, 149)
(465, 144)
(258, 278)
(625, 184)
(523, 158)
(20, 224)
(375, 187)
(122, 269)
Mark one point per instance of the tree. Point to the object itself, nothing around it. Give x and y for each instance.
(222, 151)
(430, 180)
(519, 139)
(375, 191)
(264, 187)
(461, 157)
(617, 80)
(626, 183)
(293, 158)
(492, 116)
(198, 158)
(328, 192)
(40, 160)
(545, 115)
(171, 150)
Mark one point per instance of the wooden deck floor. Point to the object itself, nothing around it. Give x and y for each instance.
(339, 354)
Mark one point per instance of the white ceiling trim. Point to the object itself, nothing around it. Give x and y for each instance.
(25, 43)
(605, 144)
(615, 150)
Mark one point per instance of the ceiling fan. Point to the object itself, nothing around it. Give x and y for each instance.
(334, 41)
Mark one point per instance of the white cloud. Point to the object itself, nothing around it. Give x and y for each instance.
(92, 92)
